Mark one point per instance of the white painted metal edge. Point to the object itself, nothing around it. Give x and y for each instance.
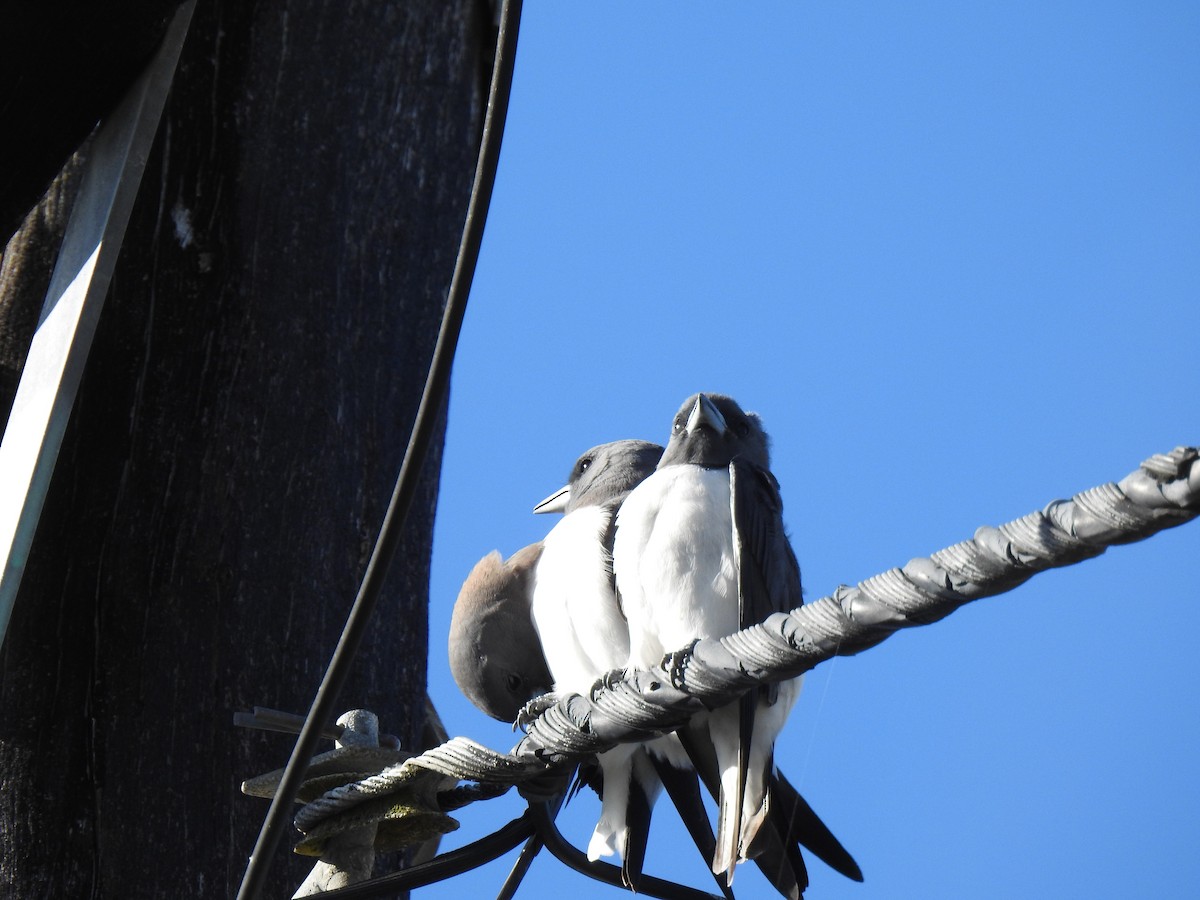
(54, 367)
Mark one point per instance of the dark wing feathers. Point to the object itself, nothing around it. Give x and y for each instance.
(769, 574)
(769, 582)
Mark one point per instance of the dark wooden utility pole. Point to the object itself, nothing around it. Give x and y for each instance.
(243, 415)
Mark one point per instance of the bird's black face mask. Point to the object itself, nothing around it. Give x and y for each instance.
(710, 430)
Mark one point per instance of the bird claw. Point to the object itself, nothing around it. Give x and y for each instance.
(675, 664)
(534, 709)
(608, 680)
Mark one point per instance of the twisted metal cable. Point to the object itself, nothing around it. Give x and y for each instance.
(1164, 492)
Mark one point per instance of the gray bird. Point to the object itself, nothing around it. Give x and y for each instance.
(583, 633)
(701, 552)
(494, 653)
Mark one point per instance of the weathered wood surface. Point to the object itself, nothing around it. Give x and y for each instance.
(241, 421)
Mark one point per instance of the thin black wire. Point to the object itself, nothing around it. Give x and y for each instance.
(573, 858)
(530, 851)
(520, 868)
(432, 400)
(447, 865)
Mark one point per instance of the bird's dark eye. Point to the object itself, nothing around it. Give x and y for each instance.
(513, 681)
(677, 428)
(743, 427)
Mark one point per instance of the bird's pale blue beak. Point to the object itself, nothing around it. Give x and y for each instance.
(705, 412)
(556, 502)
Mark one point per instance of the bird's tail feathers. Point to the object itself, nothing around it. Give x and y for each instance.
(800, 823)
(643, 791)
(753, 820)
(783, 867)
(729, 823)
(683, 787)
(603, 843)
(616, 772)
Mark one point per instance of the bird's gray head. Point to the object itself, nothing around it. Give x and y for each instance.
(710, 430)
(495, 655)
(604, 475)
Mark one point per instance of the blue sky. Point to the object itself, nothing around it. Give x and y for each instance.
(949, 253)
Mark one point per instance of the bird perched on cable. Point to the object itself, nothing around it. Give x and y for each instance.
(583, 633)
(497, 657)
(494, 654)
(701, 552)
